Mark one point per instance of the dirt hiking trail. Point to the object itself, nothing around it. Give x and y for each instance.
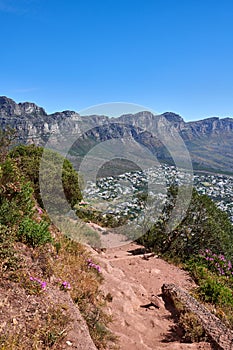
(140, 318)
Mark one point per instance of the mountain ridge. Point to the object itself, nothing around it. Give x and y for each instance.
(27, 108)
(209, 141)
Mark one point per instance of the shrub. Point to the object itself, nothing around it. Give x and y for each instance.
(33, 233)
(196, 269)
(29, 158)
(8, 257)
(215, 292)
(193, 331)
(15, 195)
(204, 225)
(217, 263)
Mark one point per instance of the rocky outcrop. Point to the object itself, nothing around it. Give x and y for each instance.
(209, 141)
(10, 108)
(213, 327)
(211, 126)
(32, 123)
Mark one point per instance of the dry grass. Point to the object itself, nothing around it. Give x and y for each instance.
(78, 231)
(43, 330)
(190, 325)
(71, 265)
(28, 317)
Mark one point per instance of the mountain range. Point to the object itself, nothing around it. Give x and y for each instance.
(208, 141)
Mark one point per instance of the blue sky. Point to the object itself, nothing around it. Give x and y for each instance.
(167, 55)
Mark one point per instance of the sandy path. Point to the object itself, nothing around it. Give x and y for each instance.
(134, 282)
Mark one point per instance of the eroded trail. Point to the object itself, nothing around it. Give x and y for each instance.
(141, 319)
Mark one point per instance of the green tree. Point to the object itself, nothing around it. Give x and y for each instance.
(204, 226)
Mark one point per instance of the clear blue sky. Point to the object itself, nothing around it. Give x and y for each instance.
(169, 55)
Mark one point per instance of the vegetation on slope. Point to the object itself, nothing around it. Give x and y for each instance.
(38, 263)
(202, 244)
(36, 259)
(203, 226)
(28, 160)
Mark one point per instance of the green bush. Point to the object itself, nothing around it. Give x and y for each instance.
(8, 256)
(215, 292)
(33, 233)
(15, 195)
(204, 226)
(28, 159)
(197, 270)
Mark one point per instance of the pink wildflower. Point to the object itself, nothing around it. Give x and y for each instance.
(40, 211)
(65, 285)
(43, 285)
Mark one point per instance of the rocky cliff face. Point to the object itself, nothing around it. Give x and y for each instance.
(209, 141)
(32, 123)
(10, 108)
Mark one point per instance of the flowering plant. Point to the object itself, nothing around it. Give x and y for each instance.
(65, 285)
(217, 263)
(91, 264)
(43, 284)
(40, 211)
